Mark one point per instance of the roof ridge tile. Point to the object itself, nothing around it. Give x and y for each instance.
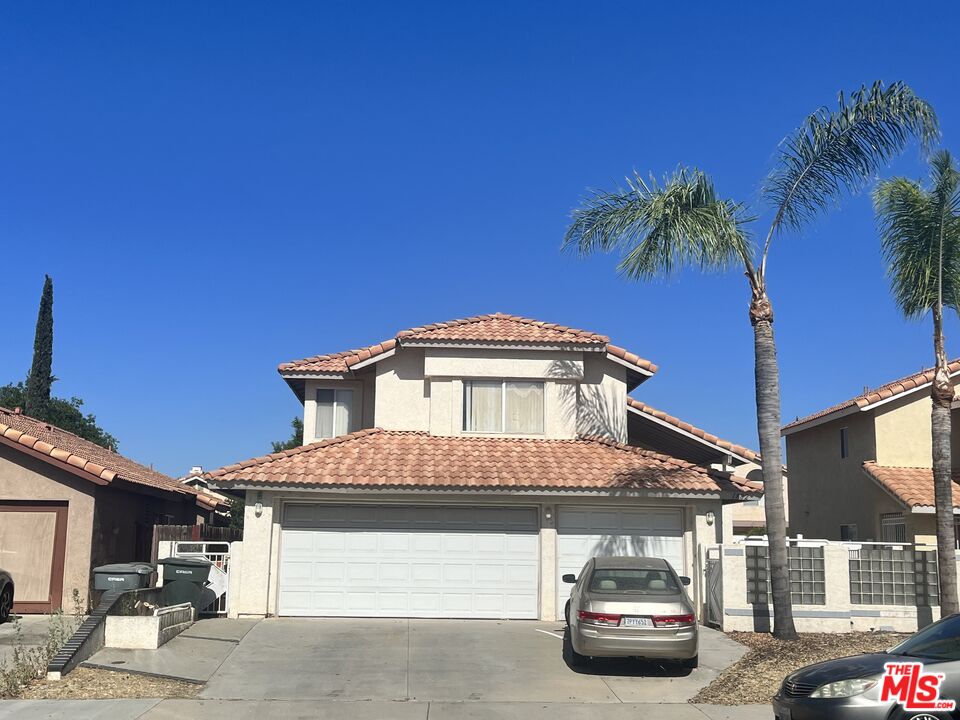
(340, 363)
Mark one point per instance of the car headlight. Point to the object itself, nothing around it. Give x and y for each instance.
(844, 688)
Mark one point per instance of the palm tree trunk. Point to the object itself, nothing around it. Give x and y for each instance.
(767, 376)
(942, 395)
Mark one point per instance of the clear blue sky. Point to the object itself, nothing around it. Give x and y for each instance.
(219, 187)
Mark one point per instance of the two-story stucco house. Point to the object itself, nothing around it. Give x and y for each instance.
(861, 469)
(459, 469)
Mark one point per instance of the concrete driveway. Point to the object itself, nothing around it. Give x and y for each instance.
(443, 661)
(33, 632)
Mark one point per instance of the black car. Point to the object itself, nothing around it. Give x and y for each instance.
(850, 688)
(6, 596)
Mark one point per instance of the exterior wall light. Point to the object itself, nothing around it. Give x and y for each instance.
(258, 507)
(710, 517)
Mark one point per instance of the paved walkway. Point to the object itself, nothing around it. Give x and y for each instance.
(345, 710)
(193, 655)
(33, 632)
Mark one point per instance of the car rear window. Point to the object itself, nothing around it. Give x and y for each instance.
(633, 581)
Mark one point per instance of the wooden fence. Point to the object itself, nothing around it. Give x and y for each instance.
(196, 533)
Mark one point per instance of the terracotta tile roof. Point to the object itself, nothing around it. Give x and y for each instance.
(490, 329)
(869, 397)
(744, 452)
(499, 327)
(911, 485)
(394, 458)
(102, 465)
(209, 502)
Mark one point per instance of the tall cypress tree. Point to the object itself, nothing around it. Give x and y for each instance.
(36, 399)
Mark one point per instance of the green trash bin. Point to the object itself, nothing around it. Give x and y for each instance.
(122, 576)
(184, 580)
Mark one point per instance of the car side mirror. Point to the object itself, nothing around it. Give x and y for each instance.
(569, 578)
(684, 579)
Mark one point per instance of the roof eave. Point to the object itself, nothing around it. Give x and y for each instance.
(896, 498)
(680, 431)
(50, 460)
(794, 428)
(477, 489)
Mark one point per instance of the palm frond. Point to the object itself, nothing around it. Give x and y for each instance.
(842, 150)
(915, 223)
(661, 227)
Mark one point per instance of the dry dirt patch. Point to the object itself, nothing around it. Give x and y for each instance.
(92, 684)
(757, 676)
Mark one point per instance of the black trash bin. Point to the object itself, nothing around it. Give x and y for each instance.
(122, 576)
(184, 580)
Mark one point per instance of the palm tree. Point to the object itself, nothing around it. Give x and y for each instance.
(920, 234)
(660, 227)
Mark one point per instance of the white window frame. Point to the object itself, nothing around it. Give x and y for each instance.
(353, 424)
(468, 382)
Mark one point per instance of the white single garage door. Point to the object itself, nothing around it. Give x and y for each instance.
(583, 533)
(442, 561)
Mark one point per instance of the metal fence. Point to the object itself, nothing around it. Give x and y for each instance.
(219, 554)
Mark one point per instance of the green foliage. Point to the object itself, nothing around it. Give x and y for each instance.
(295, 441)
(842, 150)
(37, 396)
(918, 228)
(236, 513)
(661, 227)
(28, 664)
(64, 414)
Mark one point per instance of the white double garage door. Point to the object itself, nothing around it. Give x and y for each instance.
(449, 561)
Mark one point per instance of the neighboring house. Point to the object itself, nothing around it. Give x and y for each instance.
(68, 505)
(861, 469)
(458, 470)
(656, 430)
(213, 507)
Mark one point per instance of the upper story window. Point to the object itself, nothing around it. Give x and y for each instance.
(503, 406)
(335, 413)
(844, 443)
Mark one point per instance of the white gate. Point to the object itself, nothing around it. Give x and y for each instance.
(219, 581)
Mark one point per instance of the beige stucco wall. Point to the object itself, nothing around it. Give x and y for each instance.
(826, 490)
(255, 587)
(403, 396)
(903, 432)
(26, 478)
(602, 399)
(422, 389)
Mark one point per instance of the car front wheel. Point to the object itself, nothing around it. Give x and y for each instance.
(6, 604)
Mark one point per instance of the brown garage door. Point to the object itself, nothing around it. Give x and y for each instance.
(32, 547)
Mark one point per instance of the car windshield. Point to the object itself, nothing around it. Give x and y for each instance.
(940, 641)
(633, 581)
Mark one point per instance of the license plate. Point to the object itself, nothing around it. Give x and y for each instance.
(636, 622)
